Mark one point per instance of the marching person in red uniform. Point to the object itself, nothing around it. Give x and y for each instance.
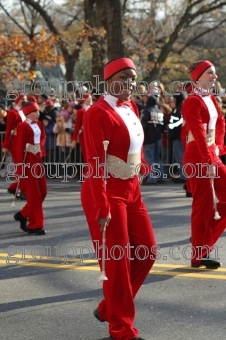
(117, 205)
(207, 174)
(30, 149)
(14, 117)
(78, 130)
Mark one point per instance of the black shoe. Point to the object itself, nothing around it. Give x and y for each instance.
(97, 315)
(208, 263)
(39, 231)
(23, 221)
(10, 191)
(21, 197)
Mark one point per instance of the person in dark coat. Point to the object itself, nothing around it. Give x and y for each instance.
(50, 146)
(51, 110)
(174, 134)
(153, 125)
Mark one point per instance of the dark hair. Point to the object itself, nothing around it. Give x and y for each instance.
(77, 107)
(179, 98)
(47, 118)
(44, 96)
(97, 96)
(27, 104)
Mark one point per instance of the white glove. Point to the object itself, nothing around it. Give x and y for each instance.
(217, 151)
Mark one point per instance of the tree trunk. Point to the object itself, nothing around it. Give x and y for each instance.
(95, 17)
(70, 59)
(69, 64)
(113, 11)
(32, 69)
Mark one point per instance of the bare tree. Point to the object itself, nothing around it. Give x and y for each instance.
(95, 17)
(106, 14)
(166, 27)
(70, 55)
(195, 11)
(114, 28)
(150, 31)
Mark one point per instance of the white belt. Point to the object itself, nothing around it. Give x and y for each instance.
(120, 169)
(210, 137)
(33, 148)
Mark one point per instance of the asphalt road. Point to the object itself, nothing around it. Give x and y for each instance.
(50, 287)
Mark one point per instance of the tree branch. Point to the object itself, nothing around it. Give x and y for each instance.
(74, 17)
(207, 9)
(15, 22)
(49, 23)
(192, 41)
(27, 23)
(124, 6)
(69, 58)
(187, 17)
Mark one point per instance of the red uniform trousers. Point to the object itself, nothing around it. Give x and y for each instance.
(13, 148)
(35, 190)
(205, 230)
(83, 150)
(130, 254)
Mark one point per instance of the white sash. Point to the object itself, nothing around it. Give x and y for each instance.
(212, 112)
(22, 116)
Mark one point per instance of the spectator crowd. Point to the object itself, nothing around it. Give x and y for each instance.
(160, 116)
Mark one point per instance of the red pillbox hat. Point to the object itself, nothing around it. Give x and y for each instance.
(32, 99)
(30, 108)
(116, 65)
(21, 95)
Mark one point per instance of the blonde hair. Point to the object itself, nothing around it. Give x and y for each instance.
(167, 108)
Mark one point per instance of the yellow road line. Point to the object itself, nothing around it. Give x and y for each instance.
(186, 267)
(96, 268)
(67, 261)
(190, 275)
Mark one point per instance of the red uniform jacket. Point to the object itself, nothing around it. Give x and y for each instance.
(195, 113)
(101, 122)
(25, 135)
(13, 119)
(78, 123)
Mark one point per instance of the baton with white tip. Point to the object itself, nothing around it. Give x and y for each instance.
(3, 160)
(103, 276)
(106, 143)
(18, 183)
(216, 213)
